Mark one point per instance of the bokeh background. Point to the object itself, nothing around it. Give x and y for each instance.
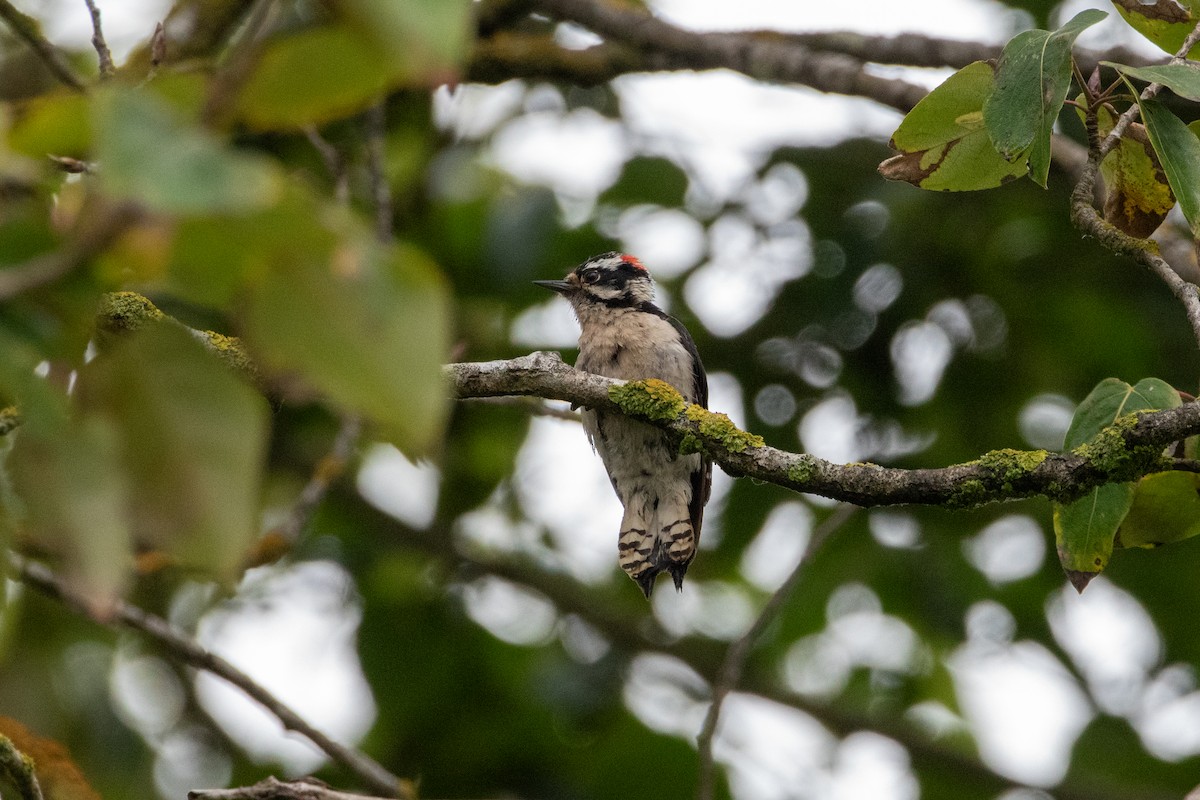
(458, 614)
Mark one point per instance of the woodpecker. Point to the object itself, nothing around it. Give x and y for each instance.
(624, 335)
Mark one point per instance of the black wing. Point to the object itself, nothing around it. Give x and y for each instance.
(701, 478)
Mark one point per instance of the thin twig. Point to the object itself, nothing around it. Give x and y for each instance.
(274, 789)
(381, 192)
(19, 769)
(328, 470)
(233, 73)
(735, 658)
(335, 164)
(105, 55)
(1086, 218)
(27, 29)
(180, 646)
(532, 405)
(98, 230)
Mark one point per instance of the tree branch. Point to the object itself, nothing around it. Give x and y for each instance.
(1124, 451)
(19, 768)
(367, 770)
(98, 42)
(28, 30)
(274, 789)
(1088, 220)
(735, 658)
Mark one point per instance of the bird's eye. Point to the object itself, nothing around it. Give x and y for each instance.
(590, 275)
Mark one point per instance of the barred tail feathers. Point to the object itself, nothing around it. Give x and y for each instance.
(637, 546)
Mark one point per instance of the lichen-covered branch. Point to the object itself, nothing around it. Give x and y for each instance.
(187, 650)
(19, 769)
(1131, 447)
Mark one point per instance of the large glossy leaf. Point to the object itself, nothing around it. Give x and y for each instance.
(1164, 22)
(1183, 78)
(1178, 150)
(367, 325)
(192, 442)
(311, 77)
(151, 155)
(1137, 195)
(1032, 80)
(943, 142)
(72, 497)
(423, 39)
(1084, 530)
(1166, 509)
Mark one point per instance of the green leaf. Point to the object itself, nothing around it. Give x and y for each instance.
(423, 39)
(1032, 80)
(1084, 529)
(56, 123)
(1183, 78)
(1178, 151)
(944, 145)
(148, 153)
(72, 496)
(193, 442)
(368, 326)
(1165, 22)
(1166, 509)
(311, 77)
(1137, 195)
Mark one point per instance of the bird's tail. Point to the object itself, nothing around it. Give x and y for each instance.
(656, 536)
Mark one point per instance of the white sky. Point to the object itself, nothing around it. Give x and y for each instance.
(1024, 707)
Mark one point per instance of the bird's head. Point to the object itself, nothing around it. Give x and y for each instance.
(614, 280)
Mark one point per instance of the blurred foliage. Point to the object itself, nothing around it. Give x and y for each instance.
(232, 187)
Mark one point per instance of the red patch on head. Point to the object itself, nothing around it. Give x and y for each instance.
(633, 262)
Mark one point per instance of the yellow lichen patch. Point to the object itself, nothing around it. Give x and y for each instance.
(1009, 465)
(650, 399)
(231, 351)
(121, 312)
(714, 425)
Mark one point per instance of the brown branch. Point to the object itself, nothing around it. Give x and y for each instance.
(381, 192)
(97, 230)
(98, 42)
(225, 85)
(632, 629)
(182, 647)
(273, 789)
(1085, 216)
(734, 663)
(1125, 451)
(284, 536)
(29, 31)
(19, 769)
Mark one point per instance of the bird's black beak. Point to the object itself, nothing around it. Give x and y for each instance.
(562, 287)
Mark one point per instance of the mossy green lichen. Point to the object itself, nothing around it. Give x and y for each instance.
(714, 425)
(689, 444)
(1110, 451)
(650, 399)
(802, 470)
(232, 352)
(1010, 465)
(122, 312)
(968, 494)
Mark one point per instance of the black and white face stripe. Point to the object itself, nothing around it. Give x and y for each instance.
(614, 280)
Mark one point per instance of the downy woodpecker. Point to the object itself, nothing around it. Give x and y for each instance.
(624, 335)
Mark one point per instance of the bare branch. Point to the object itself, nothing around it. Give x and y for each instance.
(284, 536)
(381, 192)
(97, 231)
(105, 55)
(27, 29)
(335, 165)
(19, 769)
(182, 647)
(735, 658)
(274, 789)
(233, 73)
(1087, 219)
(1128, 449)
